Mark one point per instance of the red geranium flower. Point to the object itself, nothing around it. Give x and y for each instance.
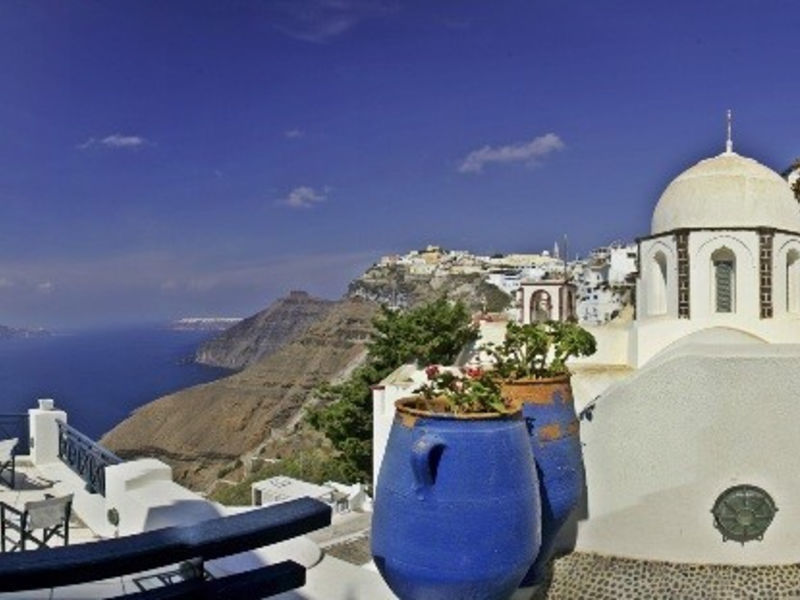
(432, 371)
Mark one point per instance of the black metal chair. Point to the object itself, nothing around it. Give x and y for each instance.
(8, 454)
(51, 515)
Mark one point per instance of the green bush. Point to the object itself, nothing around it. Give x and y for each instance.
(433, 333)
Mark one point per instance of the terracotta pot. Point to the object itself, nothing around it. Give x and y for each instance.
(549, 411)
(456, 506)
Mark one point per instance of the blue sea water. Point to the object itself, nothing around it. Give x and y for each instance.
(99, 377)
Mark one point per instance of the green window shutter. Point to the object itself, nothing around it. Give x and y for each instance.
(723, 274)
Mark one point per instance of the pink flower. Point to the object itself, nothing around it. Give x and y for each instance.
(474, 372)
(432, 371)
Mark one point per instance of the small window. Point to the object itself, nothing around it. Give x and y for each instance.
(724, 265)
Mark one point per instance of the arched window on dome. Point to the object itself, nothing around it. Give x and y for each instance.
(793, 281)
(723, 263)
(657, 288)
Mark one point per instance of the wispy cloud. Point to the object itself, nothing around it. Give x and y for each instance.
(304, 197)
(527, 152)
(45, 287)
(319, 21)
(293, 134)
(115, 140)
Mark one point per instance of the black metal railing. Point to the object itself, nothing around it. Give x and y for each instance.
(215, 538)
(85, 456)
(16, 426)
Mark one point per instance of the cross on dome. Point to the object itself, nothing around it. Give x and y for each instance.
(729, 142)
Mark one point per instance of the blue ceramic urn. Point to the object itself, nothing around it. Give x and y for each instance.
(549, 412)
(456, 506)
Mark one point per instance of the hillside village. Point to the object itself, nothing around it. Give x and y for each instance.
(604, 279)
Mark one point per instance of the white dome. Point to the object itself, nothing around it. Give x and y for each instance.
(727, 190)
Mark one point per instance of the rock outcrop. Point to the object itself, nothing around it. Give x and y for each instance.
(284, 351)
(264, 333)
(399, 288)
(202, 429)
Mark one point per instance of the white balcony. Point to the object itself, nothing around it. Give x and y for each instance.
(140, 496)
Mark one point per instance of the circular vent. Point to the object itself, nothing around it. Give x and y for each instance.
(743, 513)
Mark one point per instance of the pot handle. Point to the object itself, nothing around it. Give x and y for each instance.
(425, 455)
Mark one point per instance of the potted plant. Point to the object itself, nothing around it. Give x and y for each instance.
(456, 510)
(532, 366)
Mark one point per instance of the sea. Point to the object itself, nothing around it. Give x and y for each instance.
(99, 377)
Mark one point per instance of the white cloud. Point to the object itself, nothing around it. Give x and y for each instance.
(527, 152)
(6, 283)
(45, 287)
(304, 197)
(319, 21)
(293, 134)
(115, 140)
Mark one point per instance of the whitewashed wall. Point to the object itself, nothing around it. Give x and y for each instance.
(662, 445)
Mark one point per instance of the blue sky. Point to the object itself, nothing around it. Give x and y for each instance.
(161, 159)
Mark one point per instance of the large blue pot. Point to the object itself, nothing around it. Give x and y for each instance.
(456, 511)
(549, 412)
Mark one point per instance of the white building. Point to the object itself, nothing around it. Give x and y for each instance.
(282, 489)
(706, 422)
(342, 498)
(689, 416)
(622, 263)
(722, 252)
(506, 280)
(546, 300)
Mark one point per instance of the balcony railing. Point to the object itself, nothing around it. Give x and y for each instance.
(201, 542)
(15, 426)
(85, 457)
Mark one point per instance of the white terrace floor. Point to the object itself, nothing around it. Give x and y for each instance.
(56, 480)
(327, 579)
(31, 485)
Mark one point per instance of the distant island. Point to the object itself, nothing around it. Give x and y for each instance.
(15, 332)
(204, 323)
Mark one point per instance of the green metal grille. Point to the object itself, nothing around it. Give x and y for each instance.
(743, 513)
(724, 275)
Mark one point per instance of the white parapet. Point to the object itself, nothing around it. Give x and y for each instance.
(124, 484)
(44, 432)
(399, 384)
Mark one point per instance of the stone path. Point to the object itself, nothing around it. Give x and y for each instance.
(579, 576)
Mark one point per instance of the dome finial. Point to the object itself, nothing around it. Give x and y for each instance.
(729, 142)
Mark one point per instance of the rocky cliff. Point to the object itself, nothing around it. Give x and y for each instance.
(264, 333)
(397, 287)
(202, 429)
(286, 350)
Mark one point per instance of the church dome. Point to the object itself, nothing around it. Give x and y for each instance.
(727, 190)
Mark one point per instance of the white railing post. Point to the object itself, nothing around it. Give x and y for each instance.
(44, 431)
